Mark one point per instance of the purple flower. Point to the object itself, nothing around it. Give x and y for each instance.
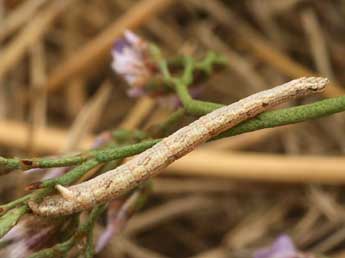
(282, 247)
(29, 235)
(131, 60)
(116, 221)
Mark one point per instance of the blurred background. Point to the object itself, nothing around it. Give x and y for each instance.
(227, 198)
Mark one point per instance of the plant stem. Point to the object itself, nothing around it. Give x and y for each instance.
(101, 155)
(63, 248)
(289, 116)
(192, 106)
(87, 229)
(5, 207)
(72, 175)
(267, 119)
(10, 219)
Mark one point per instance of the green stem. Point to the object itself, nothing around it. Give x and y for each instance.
(89, 250)
(87, 229)
(63, 248)
(123, 152)
(95, 213)
(7, 165)
(5, 207)
(11, 218)
(289, 116)
(193, 107)
(267, 119)
(101, 155)
(58, 250)
(72, 175)
(187, 76)
(208, 63)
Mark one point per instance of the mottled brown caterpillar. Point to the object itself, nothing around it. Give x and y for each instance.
(150, 162)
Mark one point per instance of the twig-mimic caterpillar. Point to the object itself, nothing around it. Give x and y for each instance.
(150, 162)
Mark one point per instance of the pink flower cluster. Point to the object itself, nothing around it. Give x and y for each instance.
(131, 60)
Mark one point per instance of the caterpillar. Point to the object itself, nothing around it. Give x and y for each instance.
(150, 162)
